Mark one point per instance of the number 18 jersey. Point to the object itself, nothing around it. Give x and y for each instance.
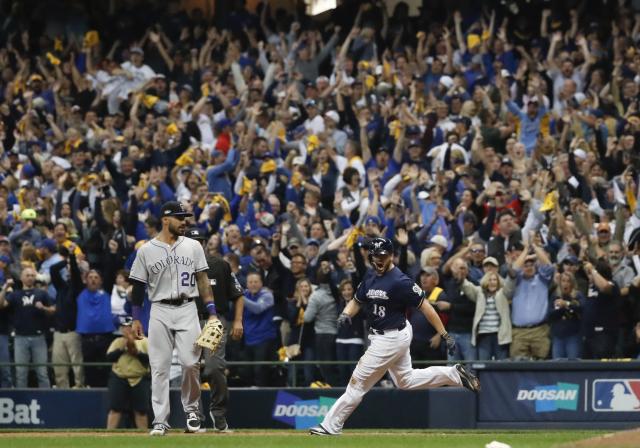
(169, 271)
(386, 298)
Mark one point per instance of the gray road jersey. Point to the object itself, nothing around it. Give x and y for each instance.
(169, 271)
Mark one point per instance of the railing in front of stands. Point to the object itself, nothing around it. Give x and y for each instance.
(569, 365)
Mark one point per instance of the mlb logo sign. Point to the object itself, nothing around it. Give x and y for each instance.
(616, 395)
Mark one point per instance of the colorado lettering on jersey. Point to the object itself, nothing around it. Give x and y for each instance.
(377, 294)
(163, 263)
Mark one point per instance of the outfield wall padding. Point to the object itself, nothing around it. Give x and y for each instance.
(514, 395)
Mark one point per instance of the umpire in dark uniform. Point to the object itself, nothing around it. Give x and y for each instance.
(226, 289)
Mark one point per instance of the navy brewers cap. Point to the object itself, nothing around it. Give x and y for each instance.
(373, 220)
(175, 209)
(571, 259)
(47, 243)
(195, 234)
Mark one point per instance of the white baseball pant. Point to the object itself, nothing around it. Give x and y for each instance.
(169, 325)
(388, 352)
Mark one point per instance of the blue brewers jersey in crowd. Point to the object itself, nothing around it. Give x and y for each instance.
(387, 298)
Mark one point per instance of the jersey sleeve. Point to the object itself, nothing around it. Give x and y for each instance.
(235, 290)
(199, 258)
(411, 292)
(361, 293)
(11, 298)
(139, 268)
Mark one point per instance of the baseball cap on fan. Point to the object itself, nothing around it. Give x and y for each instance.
(195, 234)
(174, 209)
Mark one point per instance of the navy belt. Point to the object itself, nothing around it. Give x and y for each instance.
(387, 330)
(529, 326)
(177, 302)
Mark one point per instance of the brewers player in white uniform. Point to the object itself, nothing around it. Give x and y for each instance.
(174, 269)
(386, 292)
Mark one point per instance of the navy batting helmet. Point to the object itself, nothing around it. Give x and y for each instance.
(380, 246)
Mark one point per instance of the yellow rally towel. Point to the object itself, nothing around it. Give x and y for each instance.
(85, 182)
(220, 199)
(369, 82)
(394, 129)
(172, 129)
(57, 44)
(70, 145)
(356, 233)
(473, 40)
(19, 86)
(296, 179)
(355, 159)
(434, 294)
(91, 38)
(386, 70)
(268, 166)
(52, 59)
(205, 90)
(67, 244)
(186, 158)
(631, 197)
(300, 320)
(149, 101)
(142, 183)
(550, 201)
(20, 197)
(246, 186)
(312, 142)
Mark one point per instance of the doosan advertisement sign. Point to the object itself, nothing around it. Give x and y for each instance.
(298, 413)
(551, 397)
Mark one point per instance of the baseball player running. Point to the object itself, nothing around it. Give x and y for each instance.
(226, 289)
(387, 292)
(174, 269)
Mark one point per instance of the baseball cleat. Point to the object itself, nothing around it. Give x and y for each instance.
(220, 423)
(193, 422)
(320, 431)
(158, 430)
(468, 380)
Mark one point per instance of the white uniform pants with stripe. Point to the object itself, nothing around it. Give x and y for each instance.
(169, 325)
(388, 352)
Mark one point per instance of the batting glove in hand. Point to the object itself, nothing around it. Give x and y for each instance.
(451, 343)
(344, 319)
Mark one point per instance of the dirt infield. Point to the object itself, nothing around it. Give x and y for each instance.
(622, 439)
(175, 432)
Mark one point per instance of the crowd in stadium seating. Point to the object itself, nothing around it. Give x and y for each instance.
(496, 143)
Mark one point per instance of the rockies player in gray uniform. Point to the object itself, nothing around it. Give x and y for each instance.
(226, 289)
(174, 270)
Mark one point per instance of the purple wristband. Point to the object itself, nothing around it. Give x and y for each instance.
(136, 312)
(211, 308)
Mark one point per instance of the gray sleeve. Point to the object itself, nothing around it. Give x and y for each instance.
(312, 308)
(199, 258)
(139, 267)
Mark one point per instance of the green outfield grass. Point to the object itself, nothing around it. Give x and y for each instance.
(284, 439)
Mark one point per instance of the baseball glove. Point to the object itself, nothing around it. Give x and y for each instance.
(211, 335)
